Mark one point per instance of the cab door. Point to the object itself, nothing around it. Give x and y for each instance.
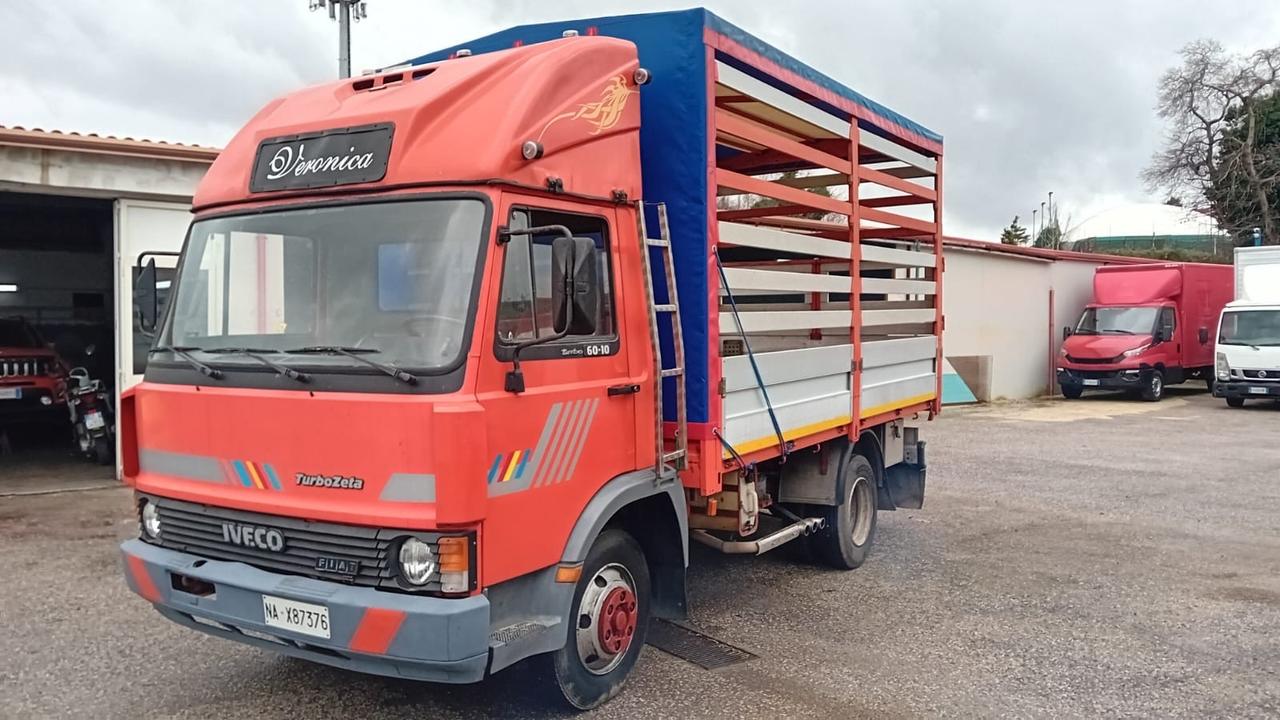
(573, 428)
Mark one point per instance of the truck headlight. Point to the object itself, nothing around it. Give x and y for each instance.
(417, 561)
(150, 520)
(1136, 351)
(1222, 366)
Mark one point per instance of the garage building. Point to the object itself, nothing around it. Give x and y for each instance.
(76, 213)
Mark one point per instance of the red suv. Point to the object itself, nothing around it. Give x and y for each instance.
(33, 379)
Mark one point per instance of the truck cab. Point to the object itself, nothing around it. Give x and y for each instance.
(1247, 355)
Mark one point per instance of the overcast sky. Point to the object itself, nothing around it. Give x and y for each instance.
(1030, 96)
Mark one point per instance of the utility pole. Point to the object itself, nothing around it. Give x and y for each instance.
(344, 11)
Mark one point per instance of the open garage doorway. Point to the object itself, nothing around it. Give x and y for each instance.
(56, 315)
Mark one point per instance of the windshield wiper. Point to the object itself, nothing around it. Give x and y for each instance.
(1122, 331)
(355, 354)
(184, 352)
(284, 370)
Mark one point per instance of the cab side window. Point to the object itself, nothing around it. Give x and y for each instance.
(525, 307)
(1168, 322)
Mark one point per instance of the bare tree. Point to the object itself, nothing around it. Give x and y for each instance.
(1211, 154)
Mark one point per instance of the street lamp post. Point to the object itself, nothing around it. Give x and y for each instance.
(344, 11)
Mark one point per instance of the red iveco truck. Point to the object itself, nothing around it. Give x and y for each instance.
(1148, 326)
(461, 354)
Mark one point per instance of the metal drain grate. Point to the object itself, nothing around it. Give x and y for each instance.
(692, 646)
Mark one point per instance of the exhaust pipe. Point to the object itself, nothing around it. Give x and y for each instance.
(796, 529)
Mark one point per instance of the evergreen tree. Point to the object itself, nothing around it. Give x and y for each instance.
(1015, 234)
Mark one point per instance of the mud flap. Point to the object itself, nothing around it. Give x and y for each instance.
(904, 482)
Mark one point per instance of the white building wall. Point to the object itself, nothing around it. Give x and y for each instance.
(997, 308)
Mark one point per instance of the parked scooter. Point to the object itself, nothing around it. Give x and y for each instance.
(92, 418)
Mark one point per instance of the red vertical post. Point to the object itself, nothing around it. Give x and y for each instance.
(855, 279)
(939, 269)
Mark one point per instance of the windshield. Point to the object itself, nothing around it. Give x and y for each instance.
(15, 333)
(1118, 321)
(1250, 327)
(392, 281)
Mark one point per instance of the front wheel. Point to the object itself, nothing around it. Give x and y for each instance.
(1153, 390)
(851, 526)
(609, 623)
(1072, 392)
(1235, 402)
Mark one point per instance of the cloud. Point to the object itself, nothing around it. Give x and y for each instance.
(1031, 97)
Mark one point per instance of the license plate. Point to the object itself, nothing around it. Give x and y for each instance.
(1092, 383)
(1258, 390)
(93, 420)
(11, 393)
(299, 617)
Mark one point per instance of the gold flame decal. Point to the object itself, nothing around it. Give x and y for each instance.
(603, 114)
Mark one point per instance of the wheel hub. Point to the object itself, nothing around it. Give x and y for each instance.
(608, 616)
(617, 620)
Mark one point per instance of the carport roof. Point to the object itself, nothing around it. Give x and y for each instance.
(105, 144)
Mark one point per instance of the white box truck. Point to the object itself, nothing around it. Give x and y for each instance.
(1247, 354)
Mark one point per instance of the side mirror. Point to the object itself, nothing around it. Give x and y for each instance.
(575, 285)
(146, 298)
(1067, 332)
(1204, 336)
(1162, 335)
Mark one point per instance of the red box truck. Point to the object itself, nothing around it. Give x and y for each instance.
(462, 354)
(1148, 326)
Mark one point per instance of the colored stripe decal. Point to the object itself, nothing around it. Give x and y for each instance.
(511, 466)
(493, 469)
(244, 475)
(257, 478)
(571, 438)
(582, 437)
(524, 460)
(271, 475)
(558, 444)
(376, 630)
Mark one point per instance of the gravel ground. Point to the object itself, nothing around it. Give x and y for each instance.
(1093, 558)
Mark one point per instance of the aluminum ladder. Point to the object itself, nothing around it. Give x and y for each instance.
(671, 309)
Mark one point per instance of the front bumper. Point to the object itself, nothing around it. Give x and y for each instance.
(372, 631)
(1246, 389)
(1126, 379)
(31, 404)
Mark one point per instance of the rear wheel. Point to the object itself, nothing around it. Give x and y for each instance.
(1235, 402)
(102, 452)
(1072, 392)
(609, 623)
(1153, 389)
(851, 526)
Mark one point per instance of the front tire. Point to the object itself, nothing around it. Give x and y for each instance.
(845, 540)
(1072, 392)
(1153, 390)
(609, 623)
(1235, 402)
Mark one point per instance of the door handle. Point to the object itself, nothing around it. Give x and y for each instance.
(629, 389)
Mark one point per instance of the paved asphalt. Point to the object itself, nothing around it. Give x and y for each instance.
(1093, 558)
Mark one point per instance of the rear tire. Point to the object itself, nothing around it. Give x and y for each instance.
(1235, 402)
(1153, 389)
(609, 623)
(102, 452)
(1072, 392)
(851, 526)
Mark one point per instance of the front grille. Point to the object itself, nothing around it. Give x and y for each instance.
(197, 529)
(1093, 361)
(1096, 374)
(23, 367)
(1263, 375)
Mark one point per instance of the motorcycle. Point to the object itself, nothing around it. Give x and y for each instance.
(92, 418)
